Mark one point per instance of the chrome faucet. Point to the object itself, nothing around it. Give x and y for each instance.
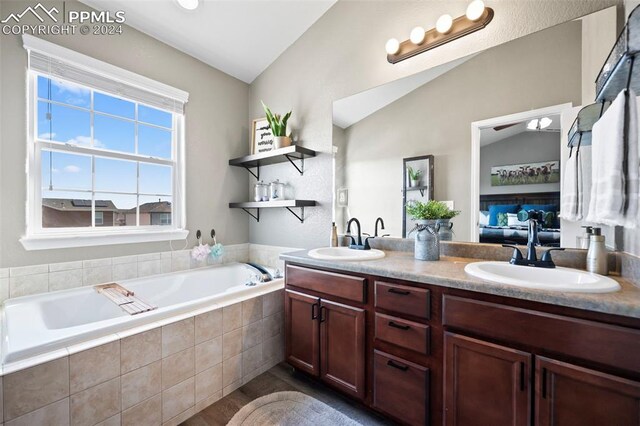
(534, 218)
(359, 245)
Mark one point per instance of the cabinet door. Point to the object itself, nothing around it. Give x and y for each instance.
(570, 395)
(342, 341)
(485, 384)
(301, 331)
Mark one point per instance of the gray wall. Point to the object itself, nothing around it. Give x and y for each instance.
(523, 148)
(216, 130)
(342, 54)
(436, 119)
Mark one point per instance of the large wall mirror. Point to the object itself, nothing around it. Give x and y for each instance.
(495, 124)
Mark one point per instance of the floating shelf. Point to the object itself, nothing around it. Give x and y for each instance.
(418, 188)
(580, 131)
(289, 154)
(287, 204)
(618, 71)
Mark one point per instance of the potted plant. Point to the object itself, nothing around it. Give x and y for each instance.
(432, 224)
(414, 176)
(278, 126)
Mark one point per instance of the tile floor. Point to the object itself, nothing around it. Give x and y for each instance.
(280, 378)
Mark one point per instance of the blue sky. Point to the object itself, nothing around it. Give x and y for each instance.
(69, 173)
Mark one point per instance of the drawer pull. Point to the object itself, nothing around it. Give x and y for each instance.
(314, 311)
(401, 367)
(400, 326)
(399, 292)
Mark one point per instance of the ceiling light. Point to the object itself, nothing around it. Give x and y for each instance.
(392, 46)
(417, 35)
(444, 24)
(475, 10)
(545, 122)
(188, 4)
(533, 124)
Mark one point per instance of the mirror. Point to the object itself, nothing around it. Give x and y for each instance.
(487, 133)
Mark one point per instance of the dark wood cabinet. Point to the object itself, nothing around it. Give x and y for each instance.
(485, 384)
(342, 343)
(301, 331)
(568, 395)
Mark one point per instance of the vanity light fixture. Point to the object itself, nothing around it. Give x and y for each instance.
(188, 4)
(477, 17)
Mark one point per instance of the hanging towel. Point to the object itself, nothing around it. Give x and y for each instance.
(614, 189)
(571, 207)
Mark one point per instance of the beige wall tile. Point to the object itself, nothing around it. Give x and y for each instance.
(149, 267)
(111, 421)
(99, 275)
(177, 336)
(56, 414)
(252, 310)
(180, 261)
(148, 413)
(208, 325)
(21, 271)
(4, 289)
(251, 359)
(273, 302)
(165, 265)
(208, 354)
(124, 271)
(149, 256)
(232, 317)
(96, 263)
(231, 387)
(35, 387)
(208, 382)
(185, 415)
(178, 399)
(124, 259)
(96, 404)
(273, 348)
(231, 370)
(65, 266)
(178, 367)
(140, 349)
(208, 401)
(232, 343)
(252, 335)
(94, 366)
(273, 325)
(25, 285)
(64, 280)
(141, 384)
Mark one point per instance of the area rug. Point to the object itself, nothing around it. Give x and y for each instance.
(289, 409)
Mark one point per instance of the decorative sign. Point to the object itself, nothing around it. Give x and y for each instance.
(526, 174)
(261, 137)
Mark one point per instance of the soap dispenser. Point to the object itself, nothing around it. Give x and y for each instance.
(582, 241)
(334, 235)
(597, 256)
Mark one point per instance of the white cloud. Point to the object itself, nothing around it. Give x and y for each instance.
(47, 135)
(85, 141)
(64, 87)
(72, 169)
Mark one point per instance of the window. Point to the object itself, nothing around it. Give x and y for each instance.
(104, 159)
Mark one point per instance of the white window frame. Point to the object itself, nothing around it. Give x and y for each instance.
(38, 238)
(99, 215)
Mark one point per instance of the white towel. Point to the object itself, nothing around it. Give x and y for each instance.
(571, 207)
(614, 189)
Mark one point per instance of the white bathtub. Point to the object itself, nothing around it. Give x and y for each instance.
(39, 324)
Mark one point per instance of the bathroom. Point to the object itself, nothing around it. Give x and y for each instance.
(176, 248)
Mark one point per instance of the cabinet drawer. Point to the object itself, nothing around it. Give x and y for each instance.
(403, 299)
(343, 286)
(404, 333)
(588, 340)
(400, 388)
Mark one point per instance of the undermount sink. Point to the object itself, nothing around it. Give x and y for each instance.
(553, 279)
(345, 253)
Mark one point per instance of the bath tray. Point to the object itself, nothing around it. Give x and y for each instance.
(124, 298)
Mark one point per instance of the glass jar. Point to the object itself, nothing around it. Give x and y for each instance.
(276, 190)
(261, 191)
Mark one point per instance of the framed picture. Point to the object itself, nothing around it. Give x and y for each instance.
(526, 174)
(261, 136)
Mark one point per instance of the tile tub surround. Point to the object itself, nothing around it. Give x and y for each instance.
(160, 376)
(449, 272)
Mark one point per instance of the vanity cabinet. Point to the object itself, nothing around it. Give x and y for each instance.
(301, 331)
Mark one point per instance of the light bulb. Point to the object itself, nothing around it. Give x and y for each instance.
(392, 46)
(417, 35)
(533, 124)
(475, 10)
(444, 23)
(545, 122)
(188, 4)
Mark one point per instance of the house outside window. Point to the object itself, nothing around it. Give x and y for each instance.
(106, 162)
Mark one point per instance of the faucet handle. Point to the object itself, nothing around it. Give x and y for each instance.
(546, 256)
(517, 254)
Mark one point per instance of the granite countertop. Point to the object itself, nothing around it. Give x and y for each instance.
(449, 272)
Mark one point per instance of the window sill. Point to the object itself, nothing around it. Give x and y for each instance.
(47, 242)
